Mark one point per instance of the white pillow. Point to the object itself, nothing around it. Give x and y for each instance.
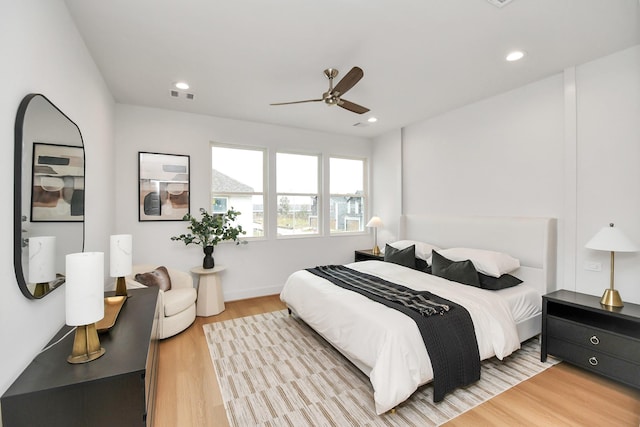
(423, 250)
(491, 263)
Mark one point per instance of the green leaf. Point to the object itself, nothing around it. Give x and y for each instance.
(211, 229)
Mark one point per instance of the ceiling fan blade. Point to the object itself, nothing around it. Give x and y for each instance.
(348, 81)
(297, 102)
(348, 105)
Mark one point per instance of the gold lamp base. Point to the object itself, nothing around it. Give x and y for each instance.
(121, 287)
(86, 345)
(375, 250)
(41, 289)
(611, 298)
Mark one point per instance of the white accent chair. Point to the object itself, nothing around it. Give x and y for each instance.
(177, 305)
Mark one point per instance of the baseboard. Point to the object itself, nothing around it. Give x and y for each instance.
(252, 293)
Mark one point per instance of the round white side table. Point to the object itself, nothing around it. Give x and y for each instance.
(210, 299)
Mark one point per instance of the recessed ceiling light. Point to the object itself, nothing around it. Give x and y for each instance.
(372, 119)
(516, 55)
(499, 3)
(182, 85)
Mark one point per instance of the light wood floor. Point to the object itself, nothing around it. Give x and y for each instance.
(188, 392)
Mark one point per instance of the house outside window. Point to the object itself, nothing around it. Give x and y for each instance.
(219, 205)
(237, 181)
(347, 195)
(298, 198)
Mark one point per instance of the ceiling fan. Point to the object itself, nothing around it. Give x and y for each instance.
(334, 94)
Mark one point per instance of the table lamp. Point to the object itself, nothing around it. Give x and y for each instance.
(374, 223)
(611, 239)
(121, 260)
(42, 260)
(84, 303)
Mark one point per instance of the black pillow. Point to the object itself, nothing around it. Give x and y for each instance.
(405, 257)
(496, 283)
(458, 271)
(423, 266)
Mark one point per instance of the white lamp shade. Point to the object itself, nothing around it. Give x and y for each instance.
(85, 288)
(611, 239)
(120, 256)
(42, 259)
(374, 222)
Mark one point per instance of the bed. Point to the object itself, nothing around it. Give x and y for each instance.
(386, 344)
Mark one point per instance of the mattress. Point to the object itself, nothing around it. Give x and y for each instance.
(523, 300)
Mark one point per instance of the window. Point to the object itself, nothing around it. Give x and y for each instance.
(297, 194)
(347, 195)
(237, 181)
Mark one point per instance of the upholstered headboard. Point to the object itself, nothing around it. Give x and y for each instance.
(531, 240)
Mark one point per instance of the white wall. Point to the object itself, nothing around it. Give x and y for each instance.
(42, 52)
(386, 180)
(259, 268)
(567, 146)
(608, 167)
(500, 156)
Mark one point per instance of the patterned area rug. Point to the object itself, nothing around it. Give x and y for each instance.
(273, 370)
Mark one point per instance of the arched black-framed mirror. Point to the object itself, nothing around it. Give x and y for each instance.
(49, 170)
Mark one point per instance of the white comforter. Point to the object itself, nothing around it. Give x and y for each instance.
(385, 343)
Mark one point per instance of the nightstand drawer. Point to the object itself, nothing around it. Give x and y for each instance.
(594, 338)
(595, 361)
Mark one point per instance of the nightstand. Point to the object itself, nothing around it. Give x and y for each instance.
(579, 330)
(367, 255)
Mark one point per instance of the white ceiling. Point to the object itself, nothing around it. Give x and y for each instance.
(420, 57)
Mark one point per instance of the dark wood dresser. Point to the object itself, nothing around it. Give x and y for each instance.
(579, 330)
(118, 389)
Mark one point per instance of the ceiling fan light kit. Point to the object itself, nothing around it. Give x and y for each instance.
(333, 95)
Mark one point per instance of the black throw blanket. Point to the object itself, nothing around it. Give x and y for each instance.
(446, 327)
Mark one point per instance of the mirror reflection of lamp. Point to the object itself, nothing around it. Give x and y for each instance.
(121, 260)
(42, 256)
(84, 306)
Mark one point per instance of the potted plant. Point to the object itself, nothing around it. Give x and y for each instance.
(209, 231)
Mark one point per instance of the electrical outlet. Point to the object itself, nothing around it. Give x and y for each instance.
(593, 266)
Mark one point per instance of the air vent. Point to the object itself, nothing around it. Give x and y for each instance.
(499, 3)
(178, 94)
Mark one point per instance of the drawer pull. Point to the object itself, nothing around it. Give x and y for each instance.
(593, 361)
(594, 340)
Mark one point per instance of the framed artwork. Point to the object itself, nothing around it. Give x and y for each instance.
(163, 192)
(57, 183)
